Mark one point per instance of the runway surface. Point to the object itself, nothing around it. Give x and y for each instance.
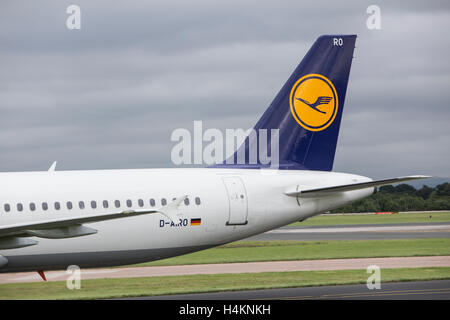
(358, 232)
(420, 290)
(249, 267)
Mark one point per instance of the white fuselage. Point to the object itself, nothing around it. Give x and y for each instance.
(234, 204)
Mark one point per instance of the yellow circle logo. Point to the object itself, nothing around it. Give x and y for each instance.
(314, 102)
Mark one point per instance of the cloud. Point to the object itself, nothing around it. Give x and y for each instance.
(110, 94)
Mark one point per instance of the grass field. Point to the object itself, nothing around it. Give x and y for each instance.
(422, 217)
(246, 251)
(134, 287)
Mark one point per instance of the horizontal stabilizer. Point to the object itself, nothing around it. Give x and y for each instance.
(325, 191)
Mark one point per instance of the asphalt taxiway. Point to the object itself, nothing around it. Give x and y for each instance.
(416, 290)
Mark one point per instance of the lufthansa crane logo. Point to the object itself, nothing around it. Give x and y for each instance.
(314, 102)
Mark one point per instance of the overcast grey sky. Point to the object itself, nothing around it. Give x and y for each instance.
(109, 95)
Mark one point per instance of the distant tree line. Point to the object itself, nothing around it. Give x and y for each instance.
(403, 197)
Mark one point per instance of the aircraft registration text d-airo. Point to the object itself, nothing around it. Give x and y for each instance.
(53, 219)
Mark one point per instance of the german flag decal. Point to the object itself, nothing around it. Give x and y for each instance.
(196, 222)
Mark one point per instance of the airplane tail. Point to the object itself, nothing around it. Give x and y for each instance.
(300, 128)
